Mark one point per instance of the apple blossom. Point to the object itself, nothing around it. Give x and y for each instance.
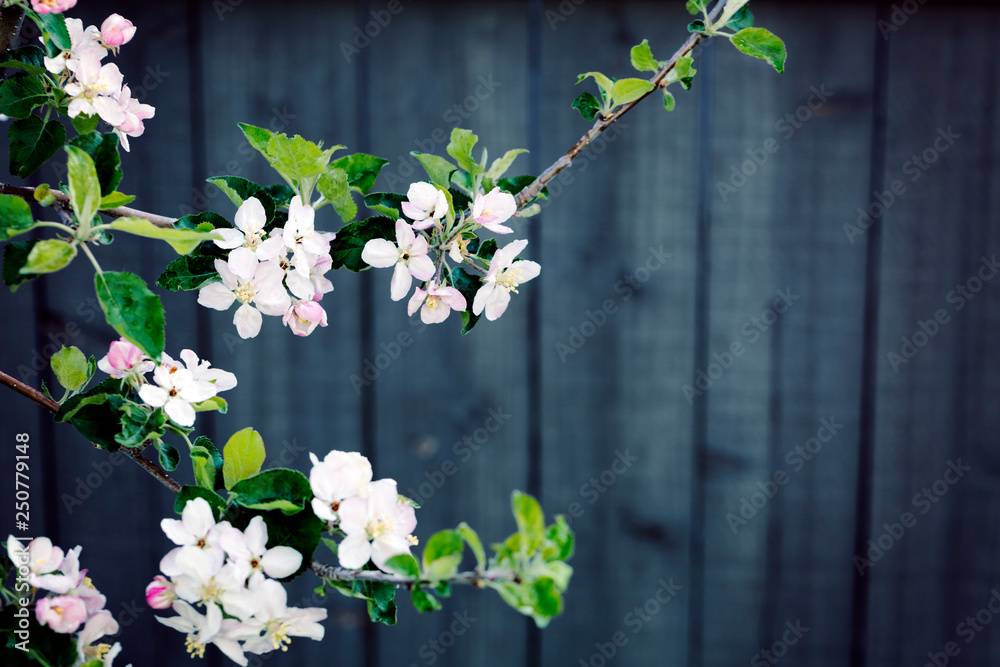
(248, 551)
(260, 291)
(177, 392)
(40, 556)
(437, 303)
(117, 30)
(340, 475)
(275, 623)
(205, 577)
(52, 6)
(377, 527)
(62, 613)
(124, 359)
(503, 278)
(201, 371)
(457, 249)
(196, 526)
(95, 90)
(300, 236)
(97, 626)
(160, 593)
(424, 204)
(134, 113)
(408, 255)
(302, 317)
(494, 208)
(247, 240)
(81, 42)
(208, 629)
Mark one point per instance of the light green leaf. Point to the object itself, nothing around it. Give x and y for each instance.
(204, 467)
(460, 147)
(438, 169)
(603, 82)
(696, 6)
(763, 44)
(502, 164)
(424, 601)
(257, 136)
(49, 256)
(84, 188)
(114, 200)
(132, 310)
(642, 58)
(183, 241)
(405, 564)
(296, 158)
(530, 520)
(70, 366)
(471, 538)
(732, 6)
(668, 100)
(15, 214)
(212, 404)
(629, 90)
(334, 186)
(442, 554)
(242, 456)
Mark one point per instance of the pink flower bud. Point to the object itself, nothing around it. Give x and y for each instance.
(302, 318)
(123, 358)
(52, 6)
(160, 593)
(62, 613)
(116, 30)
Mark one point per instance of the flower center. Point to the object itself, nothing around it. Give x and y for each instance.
(245, 292)
(255, 563)
(432, 302)
(510, 279)
(194, 648)
(278, 632)
(253, 240)
(380, 527)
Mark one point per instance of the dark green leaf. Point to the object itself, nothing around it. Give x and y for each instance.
(587, 105)
(468, 285)
(140, 426)
(423, 601)
(345, 250)
(97, 416)
(15, 214)
(299, 531)
(518, 183)
(168, 455)
(281, 193)
(741, 19)
(696, 6)
(28, 58)
(560, 534)
(103, 150)
(487, 249)
(32, 143)
(85, 124)
(217, 502)
(188, 272)
(20, 94)
(15, 256)
(362, 170)
(275, 489)
(132, 310)
(55, 25)
(239, 189)
(387, 203)
(697, 26)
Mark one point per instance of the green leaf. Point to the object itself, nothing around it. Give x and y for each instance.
(240, 189)
(683, 71)
(471, 538)
(204, 468)
(502, 164)
(103, 149)
(32, 143)
(362, 170)
(28, 58)
(438, 169)
(96, 413)
(211, 405)
(189, 272)
(71, 367)
(84, 188)
(518, 183)
(731, 9)
(381, 604)
(20, 95)
(281, 194)
(668, 100)
(168, 455)
(561, 537)
(114, 200)
(299, 531)
(530, 519)
(442, 554)
(698, 26)
(215, 501)
(604, 83)
(761, 43)
(257, 136)
(15, 256)
(642, 58)
(388, 204)
(423, 601)
(243, 455)
(49, 256)
(548, 601)
(460, 147)
(697, 6)
(14, 214)
(275, 489)
(140, 426)
(334, 186)
(468, 285)
(587, 105)
(183, 241)
(55, 26)
(741, 20)
(405, 564)
(297, 159)
(132, 310)
(629, 90)
(85, 124)
(345, 250)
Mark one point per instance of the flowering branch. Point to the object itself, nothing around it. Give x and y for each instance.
(28, 194)
(604, 122)
(333, 573)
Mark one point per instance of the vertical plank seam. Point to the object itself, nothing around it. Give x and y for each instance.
(767, 628)
(869, 372)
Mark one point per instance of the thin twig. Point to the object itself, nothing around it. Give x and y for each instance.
(603, 123)
(324, 571)
(119, 212)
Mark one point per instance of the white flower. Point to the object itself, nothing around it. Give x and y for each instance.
(202, 372)
(493, 209)
(41, 556)
(275, 623)
(196, 527)
(378, 527)
(206, 577)
(247, 240)
(204, 630)
(177, 391)
(425, 205)
(300, 236)
(408, 255)
(340, 475)
(100, 624)
(134, 113)
(95, 90)
(260, 291)
(248, 550)
(81, 42)
(436, 303)
(503, 278)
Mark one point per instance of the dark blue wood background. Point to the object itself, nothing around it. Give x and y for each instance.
(667, 253)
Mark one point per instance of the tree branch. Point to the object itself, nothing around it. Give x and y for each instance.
(333, 573)
(602, 124)
(133, 453)
(120, 212)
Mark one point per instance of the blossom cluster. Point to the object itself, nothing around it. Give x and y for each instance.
(73, 604)
(280, 272)
(377, 523)
(427, 207)
(176, 388)
(93, 88)
(230, 574)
